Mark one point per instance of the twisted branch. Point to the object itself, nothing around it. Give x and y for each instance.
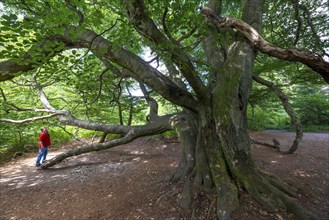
(310, 59)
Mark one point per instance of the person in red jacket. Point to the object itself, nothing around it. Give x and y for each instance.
(43, 145)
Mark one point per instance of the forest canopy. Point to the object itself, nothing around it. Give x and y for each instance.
(206, 70)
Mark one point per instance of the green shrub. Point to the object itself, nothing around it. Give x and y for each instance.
(266, 118)
(313, 109)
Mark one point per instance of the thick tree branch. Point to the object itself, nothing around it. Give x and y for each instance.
(254, 141)
(66, 118)
(8, 69)
(88, 148)
(102, 48)
(155, 126)
(139, 69)
(130, 136)
(312, 60)
(146, 26)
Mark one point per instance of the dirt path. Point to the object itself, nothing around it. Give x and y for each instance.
(128, 182)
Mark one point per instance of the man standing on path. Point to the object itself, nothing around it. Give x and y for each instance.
(44, 143)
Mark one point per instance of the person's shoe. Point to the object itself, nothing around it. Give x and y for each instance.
(44, 161)
(39, 168)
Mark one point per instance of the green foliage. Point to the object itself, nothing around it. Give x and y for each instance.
(309, 100)
(305, 128)
(67, 90)
(267, 118)
(282, 28)
(313, 109)
(15, 140)
(84, 133)
(166, 134)
(171, 133)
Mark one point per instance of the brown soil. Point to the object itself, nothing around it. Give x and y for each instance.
(128, 182)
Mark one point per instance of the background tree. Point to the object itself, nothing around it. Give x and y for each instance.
(207, 62)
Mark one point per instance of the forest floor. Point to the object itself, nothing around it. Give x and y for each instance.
(128, 182)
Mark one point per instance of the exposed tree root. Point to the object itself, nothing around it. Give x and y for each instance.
(169, 193)
(275, 145)
(226, 177)
(267, 190)
(270, 192)
(185, 198)
(280, 184)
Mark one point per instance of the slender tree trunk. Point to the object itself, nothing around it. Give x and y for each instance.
(120, 113)
(130, 118)
(103, 138)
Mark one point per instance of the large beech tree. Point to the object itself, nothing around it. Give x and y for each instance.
(207, 50)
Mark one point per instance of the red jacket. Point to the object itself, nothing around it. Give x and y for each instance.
(45, 138)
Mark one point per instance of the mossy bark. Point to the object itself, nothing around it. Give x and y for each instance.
(223, 160)
(216, 158)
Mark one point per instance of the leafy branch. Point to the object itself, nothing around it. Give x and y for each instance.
(312, 60)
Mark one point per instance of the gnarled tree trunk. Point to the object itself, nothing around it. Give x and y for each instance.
(222, 157)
